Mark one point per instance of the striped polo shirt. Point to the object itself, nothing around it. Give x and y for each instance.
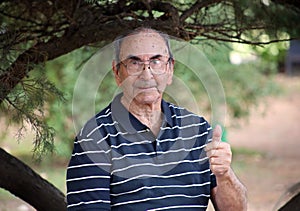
(118, 164)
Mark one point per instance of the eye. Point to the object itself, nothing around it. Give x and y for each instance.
(156, 61)
(133, 62)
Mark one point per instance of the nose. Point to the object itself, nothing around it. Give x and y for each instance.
(146, 73)
(147, 64)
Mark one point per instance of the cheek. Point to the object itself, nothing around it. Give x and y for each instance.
(122, 78)
(164, 82)
(169, 77)
(127, 86)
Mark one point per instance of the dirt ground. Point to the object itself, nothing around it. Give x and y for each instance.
(271, 139)
(274, 132)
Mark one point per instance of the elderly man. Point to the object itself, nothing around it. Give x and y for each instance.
(143, 153)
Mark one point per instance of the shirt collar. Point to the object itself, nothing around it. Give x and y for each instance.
(127, 121)
(165, 107)
(130, 123)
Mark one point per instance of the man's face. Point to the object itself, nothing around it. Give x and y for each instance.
(144, 88)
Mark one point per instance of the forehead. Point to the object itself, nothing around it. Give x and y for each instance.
(143, 43)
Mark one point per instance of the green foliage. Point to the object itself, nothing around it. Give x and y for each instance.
(46, 102)
(63, 72)
(245, 85)
(26, 107)
(273, 54)
(43, 100)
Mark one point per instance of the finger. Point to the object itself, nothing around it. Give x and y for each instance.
(216, 138)
(216, 161)
(223, 151)
(220, 160)
(211, 146)
(219, 150)
(217, 133)
(211, 153)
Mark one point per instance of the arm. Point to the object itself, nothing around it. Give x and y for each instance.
(230, 193)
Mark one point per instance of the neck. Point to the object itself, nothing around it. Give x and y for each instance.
(148, 114)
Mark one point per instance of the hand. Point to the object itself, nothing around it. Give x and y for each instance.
(219, 154)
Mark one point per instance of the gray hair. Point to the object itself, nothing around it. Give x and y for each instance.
(118, 41)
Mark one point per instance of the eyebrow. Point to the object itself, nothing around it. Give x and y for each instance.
(139, 59)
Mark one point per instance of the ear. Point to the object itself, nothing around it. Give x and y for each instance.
(116, 72)
(171, 71)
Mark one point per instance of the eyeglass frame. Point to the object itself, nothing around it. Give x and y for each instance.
(143, 63)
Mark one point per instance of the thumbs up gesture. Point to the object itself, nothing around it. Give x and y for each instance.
(219, 154)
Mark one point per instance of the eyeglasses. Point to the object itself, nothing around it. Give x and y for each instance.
(135, 67)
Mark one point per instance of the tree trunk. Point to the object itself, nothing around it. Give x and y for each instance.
(292, 205)
(291, 199)
(20, 180)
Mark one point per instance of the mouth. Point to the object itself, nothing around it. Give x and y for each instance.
(146, 86)
(147, 89)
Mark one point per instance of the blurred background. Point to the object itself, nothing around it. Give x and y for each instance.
(253, 46)
(263, 101)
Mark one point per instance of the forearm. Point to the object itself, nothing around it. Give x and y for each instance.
(230, 194)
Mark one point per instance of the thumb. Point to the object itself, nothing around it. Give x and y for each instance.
(217, 133)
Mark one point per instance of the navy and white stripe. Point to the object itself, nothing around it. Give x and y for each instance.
(118, 164)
